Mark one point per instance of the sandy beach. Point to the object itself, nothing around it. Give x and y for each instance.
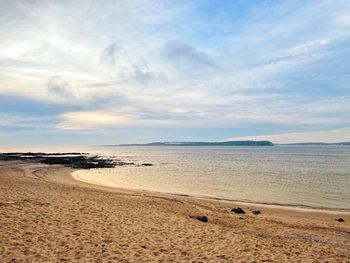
(48, 216)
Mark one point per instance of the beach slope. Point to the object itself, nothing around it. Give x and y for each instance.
(47, 216)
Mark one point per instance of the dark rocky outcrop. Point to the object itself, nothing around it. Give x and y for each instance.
(73, 160)
(340, 220)
(238, 210)
(200, 218)
(256, 212)
(147, 164)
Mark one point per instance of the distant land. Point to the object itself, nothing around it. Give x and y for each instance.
(230, 143)
(226, 143)
(315, 143)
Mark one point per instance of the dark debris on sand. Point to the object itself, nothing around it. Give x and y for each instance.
(73, 160)
(238, 210)
(203, 219)
(256, 212)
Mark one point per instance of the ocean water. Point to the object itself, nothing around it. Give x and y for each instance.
(306, 176)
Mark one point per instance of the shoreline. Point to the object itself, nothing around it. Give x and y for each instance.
(297, 207)
(70, 178)
(48, 216)
(271, 207)
(80, 161)
(67, 177)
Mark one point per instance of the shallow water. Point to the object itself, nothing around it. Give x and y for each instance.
(315, 176)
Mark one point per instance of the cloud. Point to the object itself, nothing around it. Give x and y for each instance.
(99, 120)
(124, 68)
(108, 55)
(90, 120)
(61, 88)
(141, 74)
(302, 51)
(187, 57)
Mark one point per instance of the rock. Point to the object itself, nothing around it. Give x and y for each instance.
(340, 220)
(238, 210)
(147, 164)
(256, 212)
(73, 160)
(200, 218)
(241, 218)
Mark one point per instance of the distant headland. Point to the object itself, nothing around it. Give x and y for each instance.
(230, 143)
(225, 143)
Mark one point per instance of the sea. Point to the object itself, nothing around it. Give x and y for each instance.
(299, 176)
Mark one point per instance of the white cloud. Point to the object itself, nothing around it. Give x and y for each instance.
(302, 51)
(91, 120)
(97, 120)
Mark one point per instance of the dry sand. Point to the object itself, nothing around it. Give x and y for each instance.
(47, 216)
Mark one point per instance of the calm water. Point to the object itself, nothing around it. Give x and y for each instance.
(316, 176)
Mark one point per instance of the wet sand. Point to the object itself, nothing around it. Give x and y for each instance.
(48, 216)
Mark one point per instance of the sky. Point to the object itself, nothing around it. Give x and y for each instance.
(108, 72)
